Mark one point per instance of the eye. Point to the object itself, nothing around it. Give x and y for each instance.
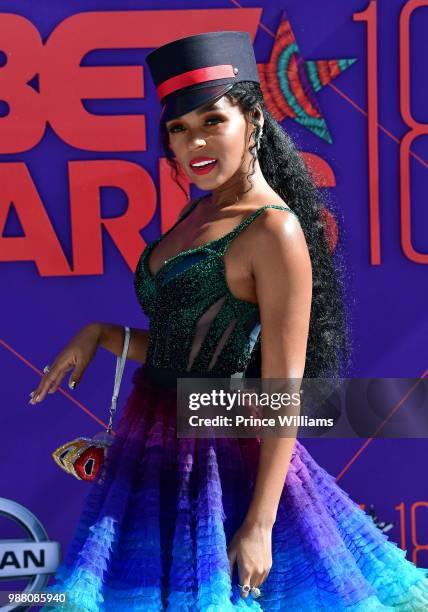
(216, 119)
(212, 120)
(173, 129)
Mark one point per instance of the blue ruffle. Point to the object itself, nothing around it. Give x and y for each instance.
(154, 530)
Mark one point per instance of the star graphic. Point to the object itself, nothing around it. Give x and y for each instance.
(289, 82)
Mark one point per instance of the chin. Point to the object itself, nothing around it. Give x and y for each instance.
(208, 183)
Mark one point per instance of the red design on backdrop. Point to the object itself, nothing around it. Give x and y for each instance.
(40, 243)
(86, 179)
(323, 175)
(63, 84)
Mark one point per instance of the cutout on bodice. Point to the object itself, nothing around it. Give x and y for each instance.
(224, 338)
(202, 328)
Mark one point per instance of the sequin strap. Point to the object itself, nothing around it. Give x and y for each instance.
(224, 243)
(188, 211)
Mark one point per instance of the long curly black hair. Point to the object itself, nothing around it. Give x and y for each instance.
(329, 341)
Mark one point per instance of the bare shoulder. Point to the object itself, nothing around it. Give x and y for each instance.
(272, 218)
(278, 240)
(278, 249)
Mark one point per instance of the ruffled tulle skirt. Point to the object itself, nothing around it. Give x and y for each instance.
(155, 527)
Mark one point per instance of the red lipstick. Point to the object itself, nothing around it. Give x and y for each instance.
(204, 164)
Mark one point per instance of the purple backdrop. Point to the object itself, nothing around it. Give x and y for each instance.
(41, 313)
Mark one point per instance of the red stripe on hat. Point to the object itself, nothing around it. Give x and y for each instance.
(200, 75)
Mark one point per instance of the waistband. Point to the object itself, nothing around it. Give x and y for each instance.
(167, 377)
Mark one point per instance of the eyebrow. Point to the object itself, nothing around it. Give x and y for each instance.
(203, 109)
(207, 107)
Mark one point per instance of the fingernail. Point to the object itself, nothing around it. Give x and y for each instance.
(32, 393)
(34, 399)
(73, 384)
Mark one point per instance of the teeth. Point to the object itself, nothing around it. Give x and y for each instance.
(204, 163)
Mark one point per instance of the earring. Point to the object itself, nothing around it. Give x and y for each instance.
(259, 139)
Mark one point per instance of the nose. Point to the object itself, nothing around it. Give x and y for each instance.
(195, 141)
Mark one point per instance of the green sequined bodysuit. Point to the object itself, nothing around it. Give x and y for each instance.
(196, 324)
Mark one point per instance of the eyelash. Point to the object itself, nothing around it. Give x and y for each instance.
(216, 117)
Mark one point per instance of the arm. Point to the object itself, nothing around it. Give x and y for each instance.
(283, 276)
(110, 337)
(78, 353)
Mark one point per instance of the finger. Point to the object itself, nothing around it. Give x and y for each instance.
(56, 384)
(263, 578)
(40, 392)
(59, 379)
(232, 557)
(76, 375)
(257, 580)
(244, 580)
(49, 379)
(256, 590)
(266, 574)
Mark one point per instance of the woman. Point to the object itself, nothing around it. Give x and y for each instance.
(226, 523)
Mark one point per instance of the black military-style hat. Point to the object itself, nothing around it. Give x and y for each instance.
(192, 71)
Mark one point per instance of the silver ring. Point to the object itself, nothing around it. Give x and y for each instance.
(246, 587)
(256, 592)
(46, 369)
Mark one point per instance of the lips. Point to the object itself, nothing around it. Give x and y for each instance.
(202, 165)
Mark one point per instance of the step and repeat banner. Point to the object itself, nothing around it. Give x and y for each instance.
(84, 187)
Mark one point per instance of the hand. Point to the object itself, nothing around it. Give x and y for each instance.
(251, 547)
(75, 356)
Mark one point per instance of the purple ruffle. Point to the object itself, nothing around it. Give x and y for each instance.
(155, 526)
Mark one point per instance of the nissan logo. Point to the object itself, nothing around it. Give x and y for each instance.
(34, 557)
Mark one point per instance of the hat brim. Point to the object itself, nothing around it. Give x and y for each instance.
(187, 101)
